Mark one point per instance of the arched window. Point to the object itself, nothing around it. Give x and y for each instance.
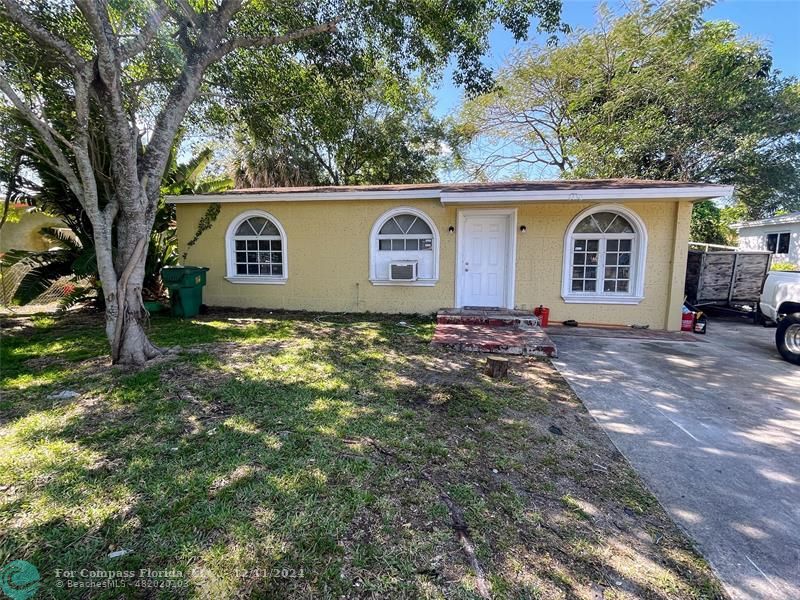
(604, 256)
(404, 249)
(256, 249)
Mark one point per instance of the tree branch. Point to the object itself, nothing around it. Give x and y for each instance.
(11, 186)
(83, 159)
(185, 90)
(147, 33)
(189, 13)
(106, 83)
(274, 40)
(227, 9)
(104, 38)
(15, 12)
(46, 133)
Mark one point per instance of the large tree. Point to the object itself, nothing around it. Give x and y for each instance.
(656, 93)
(357, 124)
(131, 69)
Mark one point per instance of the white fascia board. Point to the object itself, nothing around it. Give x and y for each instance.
(587, 195)
(304, 197)
(466, 197)
(781, 220)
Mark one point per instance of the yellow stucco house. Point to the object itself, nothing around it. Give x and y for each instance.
(25, 232)
(597, 251)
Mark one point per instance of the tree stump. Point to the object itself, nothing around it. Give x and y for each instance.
(496, 367)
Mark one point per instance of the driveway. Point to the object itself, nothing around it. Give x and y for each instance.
(713, 427)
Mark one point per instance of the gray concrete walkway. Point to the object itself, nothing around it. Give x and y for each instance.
(714, 430)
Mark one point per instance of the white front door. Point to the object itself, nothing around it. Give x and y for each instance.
(485, 259)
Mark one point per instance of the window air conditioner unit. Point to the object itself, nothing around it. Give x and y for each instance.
(403, 270)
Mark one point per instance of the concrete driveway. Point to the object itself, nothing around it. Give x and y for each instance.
(713, 427)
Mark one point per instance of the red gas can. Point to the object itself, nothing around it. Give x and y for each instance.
(687, 321)
(543, 313)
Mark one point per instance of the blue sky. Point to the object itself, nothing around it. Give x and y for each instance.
(776, 23)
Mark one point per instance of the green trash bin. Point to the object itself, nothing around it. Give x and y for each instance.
(185, 285)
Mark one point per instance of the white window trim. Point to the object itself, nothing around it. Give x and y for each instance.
(373, 248)
(230, 252)
(639, 254)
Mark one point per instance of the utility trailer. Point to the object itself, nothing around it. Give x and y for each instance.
(726, 278)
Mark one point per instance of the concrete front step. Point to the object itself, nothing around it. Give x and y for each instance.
(503, 339)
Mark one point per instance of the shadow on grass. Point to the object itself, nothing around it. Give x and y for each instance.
(253, 469)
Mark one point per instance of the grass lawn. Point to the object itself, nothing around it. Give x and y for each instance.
(288, 456)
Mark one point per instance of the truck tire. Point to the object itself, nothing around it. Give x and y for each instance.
(787, 338)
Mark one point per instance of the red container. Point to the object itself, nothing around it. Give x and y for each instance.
(687, 322)
(544, 315)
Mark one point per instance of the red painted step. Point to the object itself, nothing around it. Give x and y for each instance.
(506, 339)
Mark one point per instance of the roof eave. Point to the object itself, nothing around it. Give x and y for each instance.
(784, 220)
(304, 196)
(694, 193)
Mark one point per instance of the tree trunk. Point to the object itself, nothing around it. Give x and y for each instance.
(122, 282)
(133, 347)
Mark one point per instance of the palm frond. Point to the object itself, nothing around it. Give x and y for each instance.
(86, 263)
(14, 257)
(64, 236)
(191, 171)
(38, 280)
(33, 259)
(214, 186)
(78, 295)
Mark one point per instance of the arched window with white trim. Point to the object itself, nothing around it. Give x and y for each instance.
(604, 256)
(256, 249)
(404, 249)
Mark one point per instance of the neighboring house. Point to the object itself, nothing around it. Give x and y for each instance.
(597, 251)
(779, 235)
(24, 231)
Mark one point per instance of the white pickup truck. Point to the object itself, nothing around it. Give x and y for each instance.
(780, 302)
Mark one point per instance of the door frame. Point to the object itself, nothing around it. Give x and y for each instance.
(511, 250)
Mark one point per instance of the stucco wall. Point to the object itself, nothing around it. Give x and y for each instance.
(25, 233)
(328, 260)
(540, 253)
(755, 238)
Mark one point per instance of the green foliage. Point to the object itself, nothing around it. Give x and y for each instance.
(408, 37)
(73, 255)
(657, 93)
(162, 252)
(188, 178)
(707, 225)
(206, 221)
(69, 256)
(784, 266)
(347, 127)
(355, 109)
